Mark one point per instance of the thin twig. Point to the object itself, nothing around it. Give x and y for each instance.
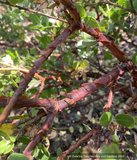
(20, 70)
(33, 11)
(94, 131)
(132, 6)
(113, 4)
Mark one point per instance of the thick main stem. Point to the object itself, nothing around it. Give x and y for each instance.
(68, 31)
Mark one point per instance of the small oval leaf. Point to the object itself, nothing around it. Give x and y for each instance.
(5, 135)
(3, 145)
(125, 120)
(24, 140)
(91, 22)
(87, 127)
(19, 156)
(105, 119)
(13, 2)
(34, 18)
(8, 128)
(10, 146)
(115, 138)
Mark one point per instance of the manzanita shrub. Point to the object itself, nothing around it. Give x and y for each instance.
(68, 78)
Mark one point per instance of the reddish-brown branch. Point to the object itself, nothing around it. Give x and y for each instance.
(110, 98)
(73, 11)
(73, 97)
(48, 102)
(119, 87)
(53, 106)
(88, 88)
(94, 131)
(46, 125)
(106, 42)
(36, 66)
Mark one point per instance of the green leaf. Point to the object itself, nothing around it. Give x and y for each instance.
(76, 65)
(14, 117)
(103, 24)
(19, 156)
(85, 35)
(20, 1)
(87, 127)
(84, 64)
(120, 2)
(44, 39)
(45, 22)
(102, 10)
(17, 54)
(23, 147)
(13, 139)
(94, 50)
(127, 4)
(115, 17)
(24, 140)
(25, 52)
(134, 58)
(108, 56)
(45, 151)
(88, 42)
(33, 51)
(34, 18)
(23, 116)
(131, 146)
(77, 116)
(9, 147)
(115, 137)
(14, 83)
(135, 120)
(35, 152)
(11, 54)
(81, 10)
(92, 14)
(3, 145)
(5, 135)
(13, 2)
(102, 29)
(105, 119)
(125, 120)
(8, 128)
(111, 149)
(80, 129)
(59, 151)
(91, 22)
(71, 129)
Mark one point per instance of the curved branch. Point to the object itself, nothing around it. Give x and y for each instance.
(72, 97)
(20, 70)
(120, 55)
